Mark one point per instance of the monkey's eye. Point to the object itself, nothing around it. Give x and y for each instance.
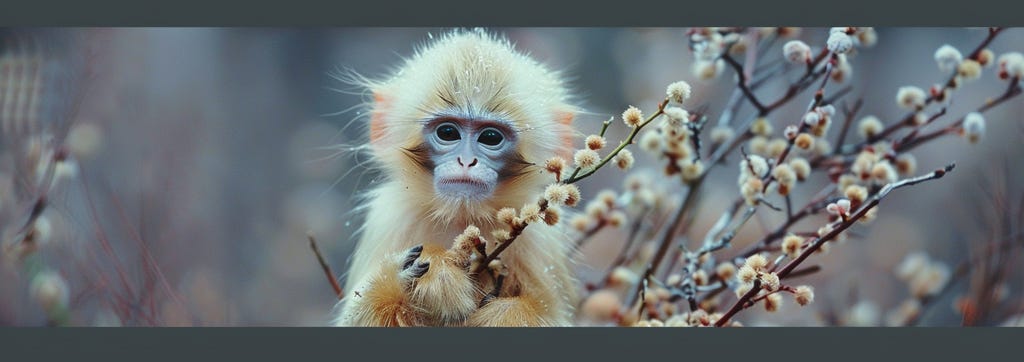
(491, 137)
(448, 132)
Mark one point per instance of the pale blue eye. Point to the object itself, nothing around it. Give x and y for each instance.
(491, 137)
(448, 133)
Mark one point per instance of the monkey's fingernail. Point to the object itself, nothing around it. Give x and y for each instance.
(421, 269)
(408, 263)
(411, 256)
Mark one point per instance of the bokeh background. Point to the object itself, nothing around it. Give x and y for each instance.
(205, 155)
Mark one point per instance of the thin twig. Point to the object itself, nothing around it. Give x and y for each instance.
(848, 115)
(1012, 91)
(323, 265)
(959, 273)
(576, 176)
(513, 235)
(741, 83)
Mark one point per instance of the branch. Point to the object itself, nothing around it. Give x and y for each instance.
(741, 82)
(323, 265)
(908, 120)
(634, 231)
(789, 267)
(1012, 91)
(576, 177)
(960, 272)
(668, 236)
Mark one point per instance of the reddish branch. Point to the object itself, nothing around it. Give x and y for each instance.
(1012, 91)
(805, 81)
(745, 300)
(908, 120)
(323, 265)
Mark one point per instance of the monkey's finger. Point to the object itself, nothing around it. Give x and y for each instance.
(411, 256)
(420, 269)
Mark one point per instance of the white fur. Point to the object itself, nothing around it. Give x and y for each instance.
(484, 75)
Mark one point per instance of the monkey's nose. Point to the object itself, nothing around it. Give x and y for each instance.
(471, 164)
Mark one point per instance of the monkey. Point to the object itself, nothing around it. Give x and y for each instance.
(458, 131)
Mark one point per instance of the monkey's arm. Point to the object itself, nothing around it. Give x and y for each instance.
(533, 283)
(383, 299)
(425, 286)
(519, 305)
(519, 311)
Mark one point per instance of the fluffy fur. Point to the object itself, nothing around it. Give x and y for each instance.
(478, 76)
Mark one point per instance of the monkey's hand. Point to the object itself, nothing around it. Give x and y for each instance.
(422, 286)
(439, 283)
(381, 300)
(518, 311)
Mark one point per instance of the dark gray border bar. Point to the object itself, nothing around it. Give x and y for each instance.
(511, 13)
(496, 344)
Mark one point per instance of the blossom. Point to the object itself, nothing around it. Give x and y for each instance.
(797, 52)
(948, 57)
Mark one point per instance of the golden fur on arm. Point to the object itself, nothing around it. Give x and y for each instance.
(424, 286)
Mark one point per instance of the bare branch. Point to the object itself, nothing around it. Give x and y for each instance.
(326, 268)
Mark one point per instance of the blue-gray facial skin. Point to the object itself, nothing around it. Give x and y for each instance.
(468, 155)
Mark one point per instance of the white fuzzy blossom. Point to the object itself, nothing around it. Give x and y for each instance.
(791, 132)
(867, 37)
(840, 207)
(708, 69)
(753, 166)
(844, 205)
(869, 127)
(910, 97)
(863, 314)
(828, 110)
(812, 118)
(1012, 64)
(948, 57)
(679, 91)
(974, 126)
(797, 51)
(675, 116)
(842, 70)
(721, 134)
(839, 42)
(586, 158)
(632, 116)
(50, 290)
(707, 47)
(912, 264)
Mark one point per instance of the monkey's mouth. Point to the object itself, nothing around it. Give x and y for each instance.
(465, 181)
(463, 187)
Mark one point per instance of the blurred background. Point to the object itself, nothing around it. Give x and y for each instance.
(200, 158)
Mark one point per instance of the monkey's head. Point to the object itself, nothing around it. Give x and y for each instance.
(465, 122)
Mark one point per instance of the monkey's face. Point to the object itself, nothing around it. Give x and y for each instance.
(469, 156)
(464, 123)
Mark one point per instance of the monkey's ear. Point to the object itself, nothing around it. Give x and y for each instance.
(565, 118)
(380, 110)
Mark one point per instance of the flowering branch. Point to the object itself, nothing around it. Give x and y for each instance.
(576, 176)
(516, 230)
(742, 303)
(1013, 90)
